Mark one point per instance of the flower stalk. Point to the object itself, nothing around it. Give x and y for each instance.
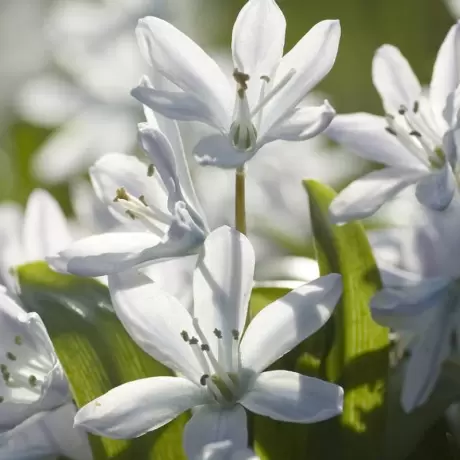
(240, 199)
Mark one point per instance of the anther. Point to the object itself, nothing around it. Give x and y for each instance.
(10, 356)
(415, 133)
(18, 340)
(3, 368)
(402, 110)
(142, 200)
(121, 195)
(32, 381)
(265, 78)
(130, 214)
(185, 336)
(150, 170)
(235, 334)
(2, 399)
(416, 106)
(193, 341)
(205, 347)
(6, 376)
(203, 379)
(217, 333)
(241, 78)
(390, 130)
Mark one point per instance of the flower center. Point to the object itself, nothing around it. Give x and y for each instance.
(220, 377)
(414, 131)
(246, 122)
(23, 372)
(137, 208)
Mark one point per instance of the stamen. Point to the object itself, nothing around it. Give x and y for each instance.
(241, 79)
(274, 91)
(185, 336)
(235, 351)
(390, 130)
(199, 355)
(121, 195)
(219, 370)
(142, 200)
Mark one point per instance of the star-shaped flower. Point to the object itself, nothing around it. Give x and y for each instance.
(264, 103)
(219, 365)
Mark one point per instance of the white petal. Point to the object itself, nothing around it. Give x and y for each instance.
(158, 149)
(365, 135)
(363, 197)
(425, 362)
(437, 190)
(184, 63)
(222, 285)
(48, 433)
(177, 105)
(312, 58)
(225, 450)
(172, 133)
(155, 320)
(107, 253)
(175, 276)
(45, 226)
(404, 308)
(210, 424)
(394, 79)
(446, 72)
(283, 324)
(303, 124)
(137, 407)
(291, 397)
(258, 38)
(114, 171)
(216, 150)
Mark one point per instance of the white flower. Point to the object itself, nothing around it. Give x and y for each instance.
(421, 301)
(263, 106)
(415, 141)
(42, 231)
(219, 368)
(33, 389)
(156, 204)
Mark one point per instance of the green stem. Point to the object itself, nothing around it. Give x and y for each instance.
(240, 200)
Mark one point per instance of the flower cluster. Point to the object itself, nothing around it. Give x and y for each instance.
(180, 267)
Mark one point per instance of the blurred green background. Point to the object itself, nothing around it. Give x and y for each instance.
(417, 27)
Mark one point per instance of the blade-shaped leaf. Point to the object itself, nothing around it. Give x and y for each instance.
(358, 358)
(96, 352)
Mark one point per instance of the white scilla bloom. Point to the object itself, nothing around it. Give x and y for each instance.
(264, 103)
(416, 141)
(33, 391)
(156, 203)
(220, 369)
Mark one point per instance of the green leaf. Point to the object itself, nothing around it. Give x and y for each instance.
(358, 358)
(97, 354)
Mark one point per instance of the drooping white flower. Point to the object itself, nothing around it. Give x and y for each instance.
(220, 368)
(40, 232)
(33, 390)
(263, 104)
(416, 141)
(156, 203)
(421, 302)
